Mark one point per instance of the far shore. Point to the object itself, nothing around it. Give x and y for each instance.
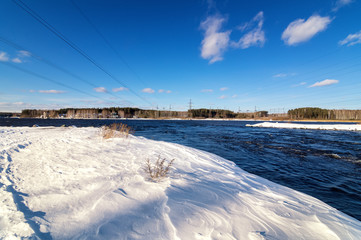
(224, 119)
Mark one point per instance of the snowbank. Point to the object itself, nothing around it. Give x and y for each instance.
(341, 127)
(68, 183)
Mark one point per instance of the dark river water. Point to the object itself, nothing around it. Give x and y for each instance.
(323, 164)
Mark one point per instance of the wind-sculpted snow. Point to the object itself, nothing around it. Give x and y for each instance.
(340, 127)
(69, 183)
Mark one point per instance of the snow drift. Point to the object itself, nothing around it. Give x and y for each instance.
(69, 183)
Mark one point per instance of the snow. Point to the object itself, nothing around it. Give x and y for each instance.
(69, 183)
(341, 127)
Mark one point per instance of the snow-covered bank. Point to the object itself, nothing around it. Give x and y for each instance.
(341, 127)
(68, 183)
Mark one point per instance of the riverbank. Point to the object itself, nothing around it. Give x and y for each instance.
(339, 127)
(215, 119)
(71, 183)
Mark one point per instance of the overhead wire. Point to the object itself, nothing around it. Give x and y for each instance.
(33, 14)
(33, 55)
(106, 41)
(51, 80)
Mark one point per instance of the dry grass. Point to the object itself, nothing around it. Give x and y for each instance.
(159, 169)
(115, 130)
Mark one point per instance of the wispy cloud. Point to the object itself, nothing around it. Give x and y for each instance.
(302, 30)
(23, 53)
(280, 75)
(234, 95)
(255, 36)
(223, 89)
(223, 97)
(215, 41)
(12, 103)
(120, 89)
(4, 57)
(283, 75)
(340, 3)
(101, 89)
(207, 90)
(18, 106)
(164, 91)
(299, 84)
(325, 82)
(148, 90)
(351, 39)
(51, 91)
(16, 60)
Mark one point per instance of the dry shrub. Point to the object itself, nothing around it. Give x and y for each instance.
(159, 169)
(116, 130)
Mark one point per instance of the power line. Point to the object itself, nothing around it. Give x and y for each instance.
(51, 80)
(106, 41)
(33, 14)
(16, 46)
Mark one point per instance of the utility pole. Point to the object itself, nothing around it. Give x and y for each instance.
(190, 108)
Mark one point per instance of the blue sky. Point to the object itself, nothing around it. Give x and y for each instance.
(237, 55)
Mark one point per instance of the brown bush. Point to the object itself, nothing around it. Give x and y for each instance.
(159, 169)
(116, 130)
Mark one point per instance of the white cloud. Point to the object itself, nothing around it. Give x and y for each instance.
(207, 90)
(23, 53)
(51, 91)
(215, 42)
(255, 36)
(223, 89)
(234, 96)
(164, 91)
(299, 84)
(280, 75)
(18, 106)
(101, 89)
(325, 82)
(16, 60)
(340, 3)
(223, 97)
(120, 89)
(301, 31)
(148, 90)
(351, 39)
(4, 57)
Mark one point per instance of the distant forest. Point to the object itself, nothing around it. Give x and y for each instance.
(137, 113)
(202, 113)
(324, 114)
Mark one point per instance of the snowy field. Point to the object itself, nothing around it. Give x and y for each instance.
(69, 183)
(341, 127)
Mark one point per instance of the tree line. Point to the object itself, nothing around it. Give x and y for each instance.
(116, 112)
(324, 114)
